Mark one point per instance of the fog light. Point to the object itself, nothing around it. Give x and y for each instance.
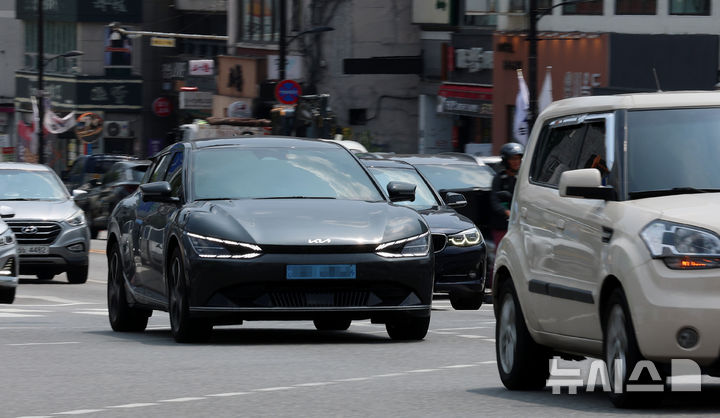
(76, 247)
(687, 337)
(472, 274)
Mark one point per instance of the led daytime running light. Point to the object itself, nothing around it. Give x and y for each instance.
(226, 242)
(398, 242)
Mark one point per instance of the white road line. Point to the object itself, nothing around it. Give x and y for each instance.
(353, 379)
(79, 412)
(389, 375)
(188, 399)
(16, 315)
(301, 385)
(14, 310)
(53, 343)
(55, 299)
(90, 313)
(422, 371)
(457, 329)
(273, 389)
(228, 394)
(459, 366)
(488, 362)
(471, 336)
(134, 405)
(97, 281)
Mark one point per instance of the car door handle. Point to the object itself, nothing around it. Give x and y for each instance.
(523, 212)
(560, 224)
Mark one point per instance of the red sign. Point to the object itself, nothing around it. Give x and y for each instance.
(162, 107)
(288, 91)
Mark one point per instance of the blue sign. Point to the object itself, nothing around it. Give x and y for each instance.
(288, 91)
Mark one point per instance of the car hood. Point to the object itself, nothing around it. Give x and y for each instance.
(303, 221)
(692, 209)
(446, 220)
(43, 210)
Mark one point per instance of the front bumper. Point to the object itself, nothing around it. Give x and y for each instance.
(59, 256)
(8, 266)
(460, 269)
(664, 301)
(383, 288)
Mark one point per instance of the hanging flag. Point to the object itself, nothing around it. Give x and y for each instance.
(522, 105)
(56, 124)
(35, 126)
(546, 93)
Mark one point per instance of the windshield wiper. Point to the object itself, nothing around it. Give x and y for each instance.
(20, 199)
(670, 192)
(212, 198)
(296, 197)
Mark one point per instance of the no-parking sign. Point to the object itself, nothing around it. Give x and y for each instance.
(288, 91)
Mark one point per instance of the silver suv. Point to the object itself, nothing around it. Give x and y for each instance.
(51, 231)
(8, 260)
(613, 247)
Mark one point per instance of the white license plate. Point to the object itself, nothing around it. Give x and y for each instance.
(33, 249)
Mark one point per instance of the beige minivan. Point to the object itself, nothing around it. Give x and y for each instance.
(613, 247)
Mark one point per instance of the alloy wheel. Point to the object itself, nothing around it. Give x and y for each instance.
(616, 345)
(508, 333)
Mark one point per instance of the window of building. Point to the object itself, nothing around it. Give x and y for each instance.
(635, 7)
(690, 7)
(58, 38)
(585, 8)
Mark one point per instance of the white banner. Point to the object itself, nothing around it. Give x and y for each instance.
(56, 124)
(546, 93)
(522, 104)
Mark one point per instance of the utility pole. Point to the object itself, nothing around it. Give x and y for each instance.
(282, 41)
(532, 63)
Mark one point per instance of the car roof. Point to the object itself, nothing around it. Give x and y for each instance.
(656, 100)
(435, 159)
(263, 142)
(377, 162)
(23, 166)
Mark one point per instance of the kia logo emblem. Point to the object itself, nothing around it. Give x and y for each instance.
(319, 241)
(32, 229)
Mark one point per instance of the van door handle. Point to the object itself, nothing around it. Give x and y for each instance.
(523, 212)
(560, 224)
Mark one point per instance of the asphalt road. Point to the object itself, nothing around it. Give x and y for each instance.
(60, 358)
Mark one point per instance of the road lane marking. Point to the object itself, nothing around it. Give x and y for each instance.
(188, 399)
(457, 329)
(54, 299)
(15, 315)
(98, 251)
(54, 343)
(13, 310)
(471, 336)
(134, 405)
(269, 389)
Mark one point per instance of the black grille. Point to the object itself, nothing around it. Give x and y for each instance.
(35, 233)
(439, 241)
(301, 299)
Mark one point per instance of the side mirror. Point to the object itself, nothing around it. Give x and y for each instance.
(158, 191)
(77, 192)
(401, 192)
(585, 183)
(455, 200)
(6, 212)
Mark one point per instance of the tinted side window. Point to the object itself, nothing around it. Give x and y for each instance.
(112, 175)
(160, 169)
(174, 174)
(557, 151)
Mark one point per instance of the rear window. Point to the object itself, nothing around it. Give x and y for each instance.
(457, 176)
(138, 172)
(101, 166)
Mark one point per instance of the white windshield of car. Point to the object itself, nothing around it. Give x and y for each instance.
(424, 197)
(673, 151)
(30, 185)
(275, 173)
(457, 176)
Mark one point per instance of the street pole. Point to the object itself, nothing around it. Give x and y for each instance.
(40, 94)
(532, 63)
(282, 40)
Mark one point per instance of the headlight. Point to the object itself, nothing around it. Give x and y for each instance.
(77, 219)
(6, 236)
(466, 238)
(682, 247)
(209, 247)
(417, 246)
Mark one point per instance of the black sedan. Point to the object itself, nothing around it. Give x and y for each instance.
(272, 228)
(101, 195)
(460, 252)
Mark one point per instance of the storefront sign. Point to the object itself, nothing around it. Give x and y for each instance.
(239, 76)
(126, 11)
(201, 67)
(468, 100)
(162, 42)
(196, 100)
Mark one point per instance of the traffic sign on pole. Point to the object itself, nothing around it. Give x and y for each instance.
(288, 91)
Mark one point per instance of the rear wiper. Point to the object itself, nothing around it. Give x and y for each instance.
(669, 192)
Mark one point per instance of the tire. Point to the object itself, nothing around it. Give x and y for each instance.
(123, 317)
(77, 274)
(522, 363)
(408, 329)
(45, 276)
(332, 324)
(466, 301)
(184, 329)
(7, 294)
(619, 343)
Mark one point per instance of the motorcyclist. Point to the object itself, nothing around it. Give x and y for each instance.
(503, 186)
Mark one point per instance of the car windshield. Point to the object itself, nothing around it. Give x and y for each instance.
(101, 165)
(30, 185)
(266, 173)
(424, 197)
(457, 176)
(673, 151)
(137, 172)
